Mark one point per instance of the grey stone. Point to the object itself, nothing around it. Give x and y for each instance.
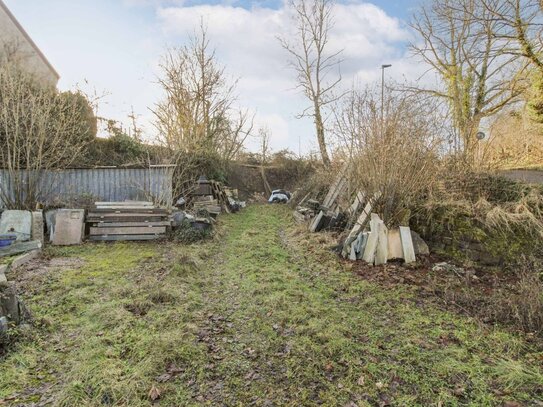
(69, 227)
(18, 223)
(419, 244)
(3, 280)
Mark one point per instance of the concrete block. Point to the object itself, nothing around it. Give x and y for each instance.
(18, 223)
(69, 227)
(37, 226)
(407, 245)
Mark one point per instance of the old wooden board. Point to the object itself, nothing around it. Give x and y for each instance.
(128, 231)
(127, 210)
(122, 220)
(117, 238)
(125, 215)
(129, 224)
(124, 203)
(407, 244)
(333, 192)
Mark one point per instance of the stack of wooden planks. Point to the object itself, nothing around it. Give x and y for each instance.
(130, 220)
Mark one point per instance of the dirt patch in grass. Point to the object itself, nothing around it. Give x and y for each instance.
(33, 276)
(492, 295)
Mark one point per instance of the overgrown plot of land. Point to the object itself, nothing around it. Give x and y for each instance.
(252, 317)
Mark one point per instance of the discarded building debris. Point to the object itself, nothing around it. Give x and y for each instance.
(215, 198)
(132, 220)
(368, 238)
(279, 196)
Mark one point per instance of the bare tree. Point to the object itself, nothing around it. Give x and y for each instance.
(313, 63)
(198, 113)
(264, 134)
(457, 40)
(520, 24)
(41, 130)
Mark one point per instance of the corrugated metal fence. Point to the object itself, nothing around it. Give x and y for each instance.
(103, 184)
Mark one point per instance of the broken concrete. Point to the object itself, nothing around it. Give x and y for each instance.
(407, 245)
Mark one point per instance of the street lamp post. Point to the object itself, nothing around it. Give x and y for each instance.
(383, 67)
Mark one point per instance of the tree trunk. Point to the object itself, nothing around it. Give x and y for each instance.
(320, 136)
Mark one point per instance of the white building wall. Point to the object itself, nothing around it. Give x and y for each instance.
(13, 38)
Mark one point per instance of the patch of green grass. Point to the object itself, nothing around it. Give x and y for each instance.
(258, 315)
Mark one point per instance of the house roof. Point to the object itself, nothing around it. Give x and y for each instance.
(27, 37)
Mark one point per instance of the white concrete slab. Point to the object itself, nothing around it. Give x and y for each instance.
(407, 244)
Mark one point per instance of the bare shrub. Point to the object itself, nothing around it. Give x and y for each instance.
(40, 130)
(395, 156)
(197, 114)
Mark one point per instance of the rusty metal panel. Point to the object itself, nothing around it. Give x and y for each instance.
(101, 184)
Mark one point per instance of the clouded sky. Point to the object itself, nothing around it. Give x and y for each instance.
(114, 47)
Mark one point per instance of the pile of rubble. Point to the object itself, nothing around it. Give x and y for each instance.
(206, 202)
(368, 238)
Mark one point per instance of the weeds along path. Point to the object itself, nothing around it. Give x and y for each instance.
(258, 316)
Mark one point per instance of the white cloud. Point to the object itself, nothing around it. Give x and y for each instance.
(246, 42)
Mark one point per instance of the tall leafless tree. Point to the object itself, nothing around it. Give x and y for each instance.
(313, 62)
(457, 40)
(197, 113)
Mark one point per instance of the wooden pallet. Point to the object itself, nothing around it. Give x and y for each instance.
(115, 221)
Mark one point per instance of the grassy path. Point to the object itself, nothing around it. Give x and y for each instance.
(255, 317)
